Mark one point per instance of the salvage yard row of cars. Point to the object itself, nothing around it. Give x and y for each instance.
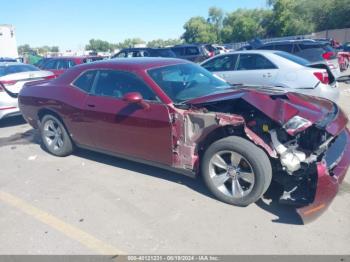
(281, 127)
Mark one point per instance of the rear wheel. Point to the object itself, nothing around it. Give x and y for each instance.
(55, 136)
(236, 171)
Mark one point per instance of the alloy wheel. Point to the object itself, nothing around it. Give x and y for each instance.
(232, 174)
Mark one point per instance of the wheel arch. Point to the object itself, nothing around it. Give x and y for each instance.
(48, 111)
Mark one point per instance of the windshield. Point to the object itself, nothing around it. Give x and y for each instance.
(293, 58)
(187, 81)
(12, 69)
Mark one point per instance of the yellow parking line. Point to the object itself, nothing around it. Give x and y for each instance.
(72, 232)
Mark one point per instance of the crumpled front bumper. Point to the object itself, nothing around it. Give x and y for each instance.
(328, 181)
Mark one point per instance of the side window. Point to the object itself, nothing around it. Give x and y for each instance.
(254, 62)
(62, 64)
(51, 64)
(121, 54)
(85, 81)
(191, 51)
(116, 84)
(179, 51)
(222, 63)
(284, 47)
(71, 63)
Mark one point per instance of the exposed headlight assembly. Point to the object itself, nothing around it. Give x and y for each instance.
(296, 124)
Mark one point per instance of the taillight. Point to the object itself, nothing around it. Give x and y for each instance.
(323, 77)
(328, 55)
(8, 82)
(50, 77)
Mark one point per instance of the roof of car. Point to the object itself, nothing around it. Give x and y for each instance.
(10, 63)
(139, 63)
(254, 51)
(303, 41)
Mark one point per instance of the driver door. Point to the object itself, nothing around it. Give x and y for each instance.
(119, 127)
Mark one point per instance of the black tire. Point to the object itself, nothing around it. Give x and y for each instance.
(66, 147)
(258, 161)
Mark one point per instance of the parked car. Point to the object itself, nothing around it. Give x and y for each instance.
(7, 59)
(13, 76)
(311, 50)
(176, 115)
(193, 52)
(58, 65)
(346, 47)
(274, 68)
(144, 52)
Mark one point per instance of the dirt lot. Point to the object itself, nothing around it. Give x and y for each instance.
(91, 203)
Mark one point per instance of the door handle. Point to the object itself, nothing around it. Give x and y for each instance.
(91, 105)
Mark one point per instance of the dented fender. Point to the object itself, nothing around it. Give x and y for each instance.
(191, 128)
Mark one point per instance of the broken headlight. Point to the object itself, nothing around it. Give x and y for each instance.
(296, 124)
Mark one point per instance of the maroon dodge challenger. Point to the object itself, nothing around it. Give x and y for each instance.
(174, 114)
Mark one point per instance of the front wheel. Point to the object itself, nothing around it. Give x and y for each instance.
(236, 171)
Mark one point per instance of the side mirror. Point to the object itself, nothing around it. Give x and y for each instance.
(133, 98)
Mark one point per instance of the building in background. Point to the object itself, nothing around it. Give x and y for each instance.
(8, 44)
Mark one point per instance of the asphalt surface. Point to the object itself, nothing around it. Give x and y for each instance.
(90, 203)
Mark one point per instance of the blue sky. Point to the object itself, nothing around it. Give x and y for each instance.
(71, 23)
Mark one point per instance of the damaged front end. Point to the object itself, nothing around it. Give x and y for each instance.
(306, 139)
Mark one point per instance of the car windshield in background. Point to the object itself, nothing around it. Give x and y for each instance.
(187, 81)
(293, 58)
(12, 69)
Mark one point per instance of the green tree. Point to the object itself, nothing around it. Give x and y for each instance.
(98, 45)
(130, 42)
(55, 49)
(245, 24)
(199, 30)
(216, 18)
(22, 49)
(289, 18)
(163, 43)
(328, 14)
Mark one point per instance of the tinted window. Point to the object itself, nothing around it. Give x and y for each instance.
(284, 47)
(254, 62)
(50, 64)
(293, 58)
(312, 53)
(191, 51)
(118, 83)
(65, 64)
(162, 53)
(179, 51)
(85, 81)
(121, 54)
(12, 69)
(222, 63)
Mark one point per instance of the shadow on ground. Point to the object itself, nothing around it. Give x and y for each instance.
(28, 137)
(285, 214)
(12, 121)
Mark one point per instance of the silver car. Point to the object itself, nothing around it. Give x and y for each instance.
(277, 69)
(13, 76)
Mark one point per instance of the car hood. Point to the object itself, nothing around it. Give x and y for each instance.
(282, 106)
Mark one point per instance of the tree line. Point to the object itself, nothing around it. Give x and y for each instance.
(281, 18)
